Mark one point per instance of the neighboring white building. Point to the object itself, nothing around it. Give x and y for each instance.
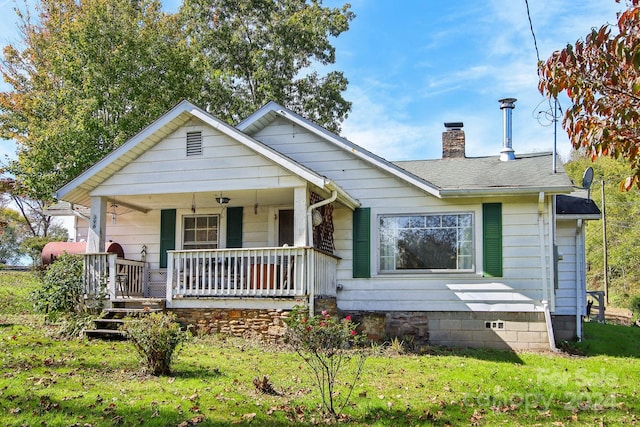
(278, 211)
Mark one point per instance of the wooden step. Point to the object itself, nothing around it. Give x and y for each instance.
(127, 310)
(138, 303)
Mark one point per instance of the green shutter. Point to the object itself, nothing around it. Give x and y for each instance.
(362, 242)
(492, 243)
(167, 234)
(234, 227)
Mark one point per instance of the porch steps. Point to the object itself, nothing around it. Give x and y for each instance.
(108, 326)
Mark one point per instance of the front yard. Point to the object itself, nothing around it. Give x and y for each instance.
(48, 382)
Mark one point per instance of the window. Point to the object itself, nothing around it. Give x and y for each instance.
(426, 242)
(200, 232)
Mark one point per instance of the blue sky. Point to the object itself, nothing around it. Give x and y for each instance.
(413, 65)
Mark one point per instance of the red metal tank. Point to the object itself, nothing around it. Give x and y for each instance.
(53, 250)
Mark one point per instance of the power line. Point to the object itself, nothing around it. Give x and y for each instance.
(535, 42)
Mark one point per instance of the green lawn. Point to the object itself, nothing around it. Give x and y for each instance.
(48, 382)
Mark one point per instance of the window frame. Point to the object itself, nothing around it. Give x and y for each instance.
(472, 243)
(183, 230)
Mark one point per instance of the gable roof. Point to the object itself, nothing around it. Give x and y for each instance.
(270, 111)
(77, 190)
(455, 177)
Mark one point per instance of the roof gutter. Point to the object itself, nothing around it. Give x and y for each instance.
(532, 191)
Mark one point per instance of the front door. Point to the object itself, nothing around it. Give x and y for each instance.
(285, 227)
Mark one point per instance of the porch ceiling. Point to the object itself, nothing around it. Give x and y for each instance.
(205, 200)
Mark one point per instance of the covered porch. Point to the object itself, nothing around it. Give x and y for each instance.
(276, 273)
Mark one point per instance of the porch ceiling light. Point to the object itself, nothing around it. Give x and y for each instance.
(223, 200)
(114, 212)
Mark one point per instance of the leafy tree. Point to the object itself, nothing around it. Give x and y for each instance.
(12, 235)
(601, 76)
(254, 51)
(88, 76)
(623, 229)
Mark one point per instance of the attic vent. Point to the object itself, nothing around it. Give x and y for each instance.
(194, 143)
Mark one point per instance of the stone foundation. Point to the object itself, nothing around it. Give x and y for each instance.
(268, 324)
(517, 331)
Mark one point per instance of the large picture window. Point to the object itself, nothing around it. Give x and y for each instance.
(426, 242)
(200, 232)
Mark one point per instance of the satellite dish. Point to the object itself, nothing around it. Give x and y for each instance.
(587, 178)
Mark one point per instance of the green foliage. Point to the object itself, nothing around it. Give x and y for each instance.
(44, 381)
(251, 52)
(61, 292)
(33, 246)
(327, 346)
(157, 338)
(88, 76)
(13, 234)
(623, 233)
(634, 306)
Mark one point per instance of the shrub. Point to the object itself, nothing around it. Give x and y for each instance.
(635, 308)
(327, 346)
(61, 291)
(157, 338)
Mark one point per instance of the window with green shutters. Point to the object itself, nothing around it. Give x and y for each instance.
(492, 239)
(362, 243)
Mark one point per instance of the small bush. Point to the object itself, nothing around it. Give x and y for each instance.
(157, 338)
(61, 291)
(327, 346)
(635, 308)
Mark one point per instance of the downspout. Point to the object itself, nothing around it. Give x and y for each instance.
(310, 264)
(334, 196)
(545, 280)
(579, 276)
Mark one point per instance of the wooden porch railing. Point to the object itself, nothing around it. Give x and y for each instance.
(256, 272)
(107, 275)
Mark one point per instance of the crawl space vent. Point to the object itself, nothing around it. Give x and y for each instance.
(496, 324)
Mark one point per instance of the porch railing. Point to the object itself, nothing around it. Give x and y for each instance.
(105, 273)
(256, 272)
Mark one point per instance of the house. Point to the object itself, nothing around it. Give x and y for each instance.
(233, 226)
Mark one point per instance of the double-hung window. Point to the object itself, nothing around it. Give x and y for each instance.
(441, 242)
(200, 232)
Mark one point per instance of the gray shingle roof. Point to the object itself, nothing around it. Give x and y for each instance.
(475, 175)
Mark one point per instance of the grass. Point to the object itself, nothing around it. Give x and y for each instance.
(48, 382)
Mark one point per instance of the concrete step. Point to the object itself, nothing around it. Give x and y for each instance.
(112, 324)
(106, 334)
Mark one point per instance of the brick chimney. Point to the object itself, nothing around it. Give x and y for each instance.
(453, 141)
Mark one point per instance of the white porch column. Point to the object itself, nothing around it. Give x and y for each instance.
(97, 225)
(300, 203)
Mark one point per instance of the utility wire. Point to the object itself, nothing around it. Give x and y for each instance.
(535, 42)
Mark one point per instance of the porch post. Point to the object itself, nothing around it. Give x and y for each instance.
(300, 203)
(97, 225)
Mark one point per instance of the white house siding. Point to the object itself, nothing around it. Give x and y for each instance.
(519, 289)
(570, 268)
(224, 165)
(135, 229)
